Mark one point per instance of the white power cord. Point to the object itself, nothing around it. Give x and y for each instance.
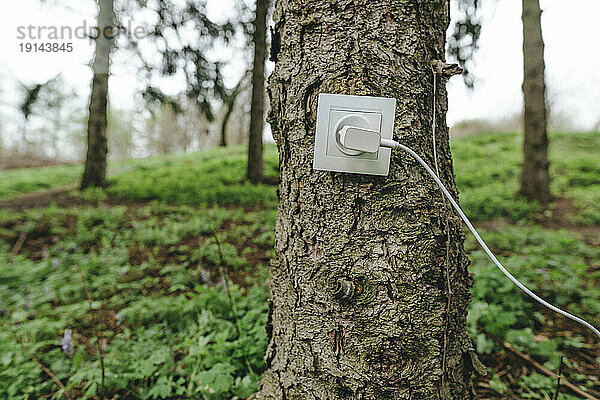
(485, 247)
(369, 141)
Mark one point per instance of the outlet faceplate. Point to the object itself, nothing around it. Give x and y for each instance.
(334, 111)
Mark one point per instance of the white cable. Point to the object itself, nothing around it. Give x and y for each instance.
(390, 143)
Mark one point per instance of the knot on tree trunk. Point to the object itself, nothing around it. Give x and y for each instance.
(343, 289)
(346, 289)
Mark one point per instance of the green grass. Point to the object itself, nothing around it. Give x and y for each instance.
(212, 177)
(16, 182)
(488, 170)
(161, 312)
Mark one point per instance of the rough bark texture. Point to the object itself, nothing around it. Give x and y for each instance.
(257, 107)
(535, 180)
(97, 149)
(369, 289)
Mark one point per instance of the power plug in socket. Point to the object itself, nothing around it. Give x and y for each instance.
(334, 112)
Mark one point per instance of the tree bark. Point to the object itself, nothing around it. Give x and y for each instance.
(257, 107)
(535, 179)
(94, 174)
(369, 289)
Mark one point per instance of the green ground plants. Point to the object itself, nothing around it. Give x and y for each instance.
(160, 312)
(168, 326)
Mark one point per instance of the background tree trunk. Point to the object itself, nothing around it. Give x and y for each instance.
(97, 149)
(535, 180)
(257, 108)
(229, 103)
(369, 289)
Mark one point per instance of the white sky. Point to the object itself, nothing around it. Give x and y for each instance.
(570, 29)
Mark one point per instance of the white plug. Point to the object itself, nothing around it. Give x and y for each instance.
(361, 139)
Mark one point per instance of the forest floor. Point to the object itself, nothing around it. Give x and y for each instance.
(165, 275)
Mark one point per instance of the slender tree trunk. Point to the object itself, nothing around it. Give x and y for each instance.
(257, 108)
(230, 103)
(97, 149)
(224, 125)
(369, 289)
(535, 180)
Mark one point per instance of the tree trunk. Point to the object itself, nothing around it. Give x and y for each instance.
(230, 103)
(97, 149)
(257, 107)
(535, 180)
(229, 106)
(369, 289)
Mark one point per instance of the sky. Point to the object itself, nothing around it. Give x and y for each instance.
(570, 32)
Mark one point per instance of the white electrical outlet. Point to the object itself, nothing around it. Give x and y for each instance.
(334, 112)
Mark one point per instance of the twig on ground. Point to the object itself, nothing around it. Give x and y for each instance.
(95, 326)
(225, 278)
(539, 366)
(17, 247)
(45, 369)
(560, 372)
